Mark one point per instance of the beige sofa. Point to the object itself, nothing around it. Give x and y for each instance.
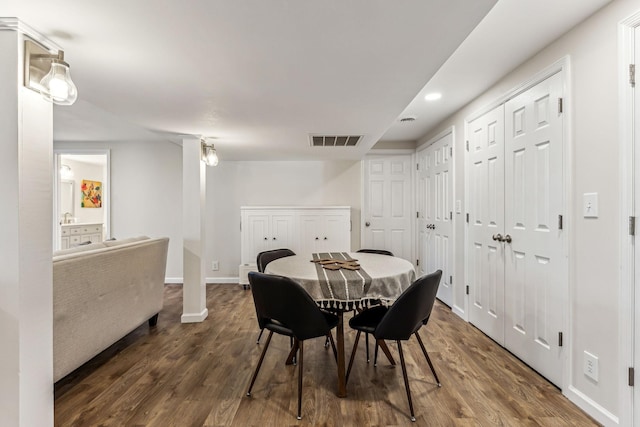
(101, 292)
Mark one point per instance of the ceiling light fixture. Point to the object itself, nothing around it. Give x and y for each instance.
(48, 74)
(66, 172)
(433, 96)
(209, 155)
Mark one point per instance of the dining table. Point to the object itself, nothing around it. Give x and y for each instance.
(345, 281)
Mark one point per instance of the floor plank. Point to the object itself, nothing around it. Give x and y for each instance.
(197, 375)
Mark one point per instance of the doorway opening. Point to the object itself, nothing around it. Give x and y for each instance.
(81, 205)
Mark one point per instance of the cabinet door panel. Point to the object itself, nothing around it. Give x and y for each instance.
(282, 231)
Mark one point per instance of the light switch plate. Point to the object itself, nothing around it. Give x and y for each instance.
(590, 366)
(590, 205)
(458, 206)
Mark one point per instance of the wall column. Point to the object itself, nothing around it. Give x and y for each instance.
(194, 178)
(26, 296)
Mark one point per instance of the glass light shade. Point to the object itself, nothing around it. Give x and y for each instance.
(58, 86)
(66, 172)
(210, 156)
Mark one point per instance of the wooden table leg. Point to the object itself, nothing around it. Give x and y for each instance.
(386, 351)
(342, 385)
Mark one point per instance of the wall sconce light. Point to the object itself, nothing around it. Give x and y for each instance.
(209, 155)
(66, 172)
(48, 74)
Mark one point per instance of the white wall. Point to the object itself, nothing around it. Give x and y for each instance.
(234, 184)
(594, 260)
(146, 192)
(146, 196)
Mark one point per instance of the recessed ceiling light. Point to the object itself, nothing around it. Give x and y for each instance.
(433, 96)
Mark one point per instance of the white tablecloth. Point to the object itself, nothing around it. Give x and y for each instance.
(381, 278)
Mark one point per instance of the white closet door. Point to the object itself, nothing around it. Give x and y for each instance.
(435, 215)
(534, 267)
(387, 211)
(485, 253)
(424, 189)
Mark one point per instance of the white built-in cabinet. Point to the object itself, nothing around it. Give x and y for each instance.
(73, 234)
(303, 229)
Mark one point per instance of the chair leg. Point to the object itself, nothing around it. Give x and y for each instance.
(353, 356)
(426, 355)
(255, 374)
(375, 355)
(366, 341)
(301, 356)
(259, 336)
(326, 342)
(406, 380)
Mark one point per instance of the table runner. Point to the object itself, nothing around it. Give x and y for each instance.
(342, 288)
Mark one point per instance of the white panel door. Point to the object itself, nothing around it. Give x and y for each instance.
(485, 252)
(387, 211)
(435, 213)
(423, 223)
(534, 266)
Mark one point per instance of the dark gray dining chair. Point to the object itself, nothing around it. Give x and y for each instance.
(265, 258)
(376, 251)
(379, 252)
(285, 308)
(399, 322)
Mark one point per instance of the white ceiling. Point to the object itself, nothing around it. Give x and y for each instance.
(261, 75)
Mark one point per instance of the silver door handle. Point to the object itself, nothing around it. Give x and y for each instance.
(497, 237)
(366, 224)
(507, 239)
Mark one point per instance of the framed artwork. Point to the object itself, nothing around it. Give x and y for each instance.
(91, 194)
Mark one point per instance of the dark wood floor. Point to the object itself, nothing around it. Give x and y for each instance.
(197, 375)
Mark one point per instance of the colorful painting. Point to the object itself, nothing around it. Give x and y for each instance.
(91, 194)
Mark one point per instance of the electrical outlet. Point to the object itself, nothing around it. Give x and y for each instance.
(591, 366)
(215, 265)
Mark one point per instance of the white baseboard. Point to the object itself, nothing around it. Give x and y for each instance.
(228, 280)
(592, 408)
(179, 280)
(459, 312)
(194, 317)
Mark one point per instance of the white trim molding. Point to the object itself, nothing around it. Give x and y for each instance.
(591, 407)
(15, 24)
(629, 164)
(194, 317)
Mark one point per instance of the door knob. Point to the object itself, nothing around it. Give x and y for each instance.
(507, 239)
(497, 237)
(366, 224)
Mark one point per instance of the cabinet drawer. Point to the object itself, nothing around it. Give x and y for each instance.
(74, 240)
(89, 229)
(75, 230)
(65, 232)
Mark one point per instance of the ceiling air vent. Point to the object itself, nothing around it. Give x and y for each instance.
(335, 140)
